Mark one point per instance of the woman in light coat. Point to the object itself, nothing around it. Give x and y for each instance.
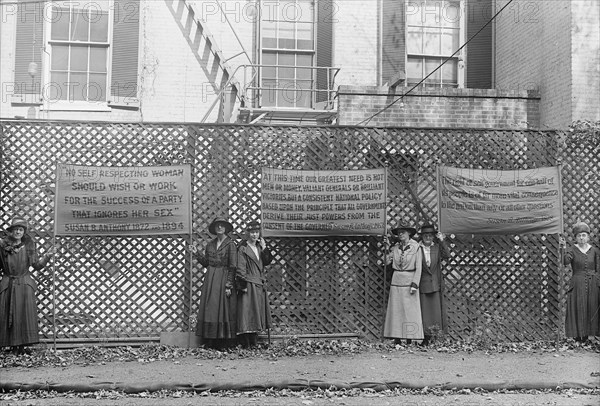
(403, 317)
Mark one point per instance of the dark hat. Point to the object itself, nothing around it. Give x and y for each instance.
(220, 220)
(411, 230)
(581, 227)
(253, 225)
(428, 229)
(18, 222)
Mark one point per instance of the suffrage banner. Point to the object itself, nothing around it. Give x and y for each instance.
(298, 203)
(123, 201)
(484, 201)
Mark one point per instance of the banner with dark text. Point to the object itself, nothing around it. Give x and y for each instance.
(485, 201)
(298, 203)
(123, 201)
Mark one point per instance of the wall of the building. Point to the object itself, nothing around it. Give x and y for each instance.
(173, 85)
(533, 51)
(450, 108)
(585, 62)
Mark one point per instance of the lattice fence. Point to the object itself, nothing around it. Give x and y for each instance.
(500, 287)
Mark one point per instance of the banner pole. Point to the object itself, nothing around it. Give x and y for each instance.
(439, 196)
(57, 175)
(191, 255)
(385, 247)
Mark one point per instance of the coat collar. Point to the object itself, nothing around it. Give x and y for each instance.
(250, 253)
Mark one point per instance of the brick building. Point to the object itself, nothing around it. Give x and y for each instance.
(302, 61)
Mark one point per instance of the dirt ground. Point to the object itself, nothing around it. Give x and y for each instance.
(436, 378)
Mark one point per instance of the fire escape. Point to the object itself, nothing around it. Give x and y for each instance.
(247, 94)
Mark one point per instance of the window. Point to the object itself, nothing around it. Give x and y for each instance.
(79, 52)
(77, 55)
(433, 32)
(287, 53)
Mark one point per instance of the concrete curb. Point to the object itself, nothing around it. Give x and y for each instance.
(295, 385)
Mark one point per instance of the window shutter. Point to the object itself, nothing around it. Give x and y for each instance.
(393, 41)
(479, 50)
(125, 50)
(29, 44)
(325, 16)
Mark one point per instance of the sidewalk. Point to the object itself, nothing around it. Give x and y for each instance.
(379, 370)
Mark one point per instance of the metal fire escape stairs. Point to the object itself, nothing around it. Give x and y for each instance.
(231, 95)
(209, 56)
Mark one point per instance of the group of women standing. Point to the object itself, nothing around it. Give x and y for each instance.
(415, 310)
(234, 305)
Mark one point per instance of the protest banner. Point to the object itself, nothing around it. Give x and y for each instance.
(299, 203)
(483, 201)
(123, 201)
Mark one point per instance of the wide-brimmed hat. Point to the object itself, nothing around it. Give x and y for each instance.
(220, 220)
(581, 227)
(17, 222)
(253, 225)
(411, 230)
(428, 229)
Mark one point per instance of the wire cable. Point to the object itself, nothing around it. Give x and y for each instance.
(367, 120)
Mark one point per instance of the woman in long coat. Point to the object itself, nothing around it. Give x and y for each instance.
(217, 318)
(403, 317)
(18, 305)
(432, 280)
(583, 306)
(254, 314)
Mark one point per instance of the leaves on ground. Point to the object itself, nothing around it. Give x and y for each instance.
(293, 347)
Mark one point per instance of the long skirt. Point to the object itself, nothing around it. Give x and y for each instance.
(18, 315)
(431, 311)
(583, 307)
(403, 317)
(254, 313)
(217, 316)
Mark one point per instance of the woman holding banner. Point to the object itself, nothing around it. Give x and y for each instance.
(217, 318)
(254, 314)
(18, 307)
(583, 307)
(403, 317)
(432, 280)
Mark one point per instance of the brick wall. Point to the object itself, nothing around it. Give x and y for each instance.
(585, 63)
(533, 51)
(448, 108)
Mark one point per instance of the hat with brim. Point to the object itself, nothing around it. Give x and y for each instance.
(581, 227)
(212, 228)
(17, 222)
(411, 230)
(428, 229)
(253, 225)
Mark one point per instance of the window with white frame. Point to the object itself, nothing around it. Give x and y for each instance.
(287, 53)
(79, 51)
(434, 32)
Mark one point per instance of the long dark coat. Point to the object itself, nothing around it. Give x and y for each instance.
(583, 304)
(217, 316)
(254, 314)
(18, 305)
(431, 289)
